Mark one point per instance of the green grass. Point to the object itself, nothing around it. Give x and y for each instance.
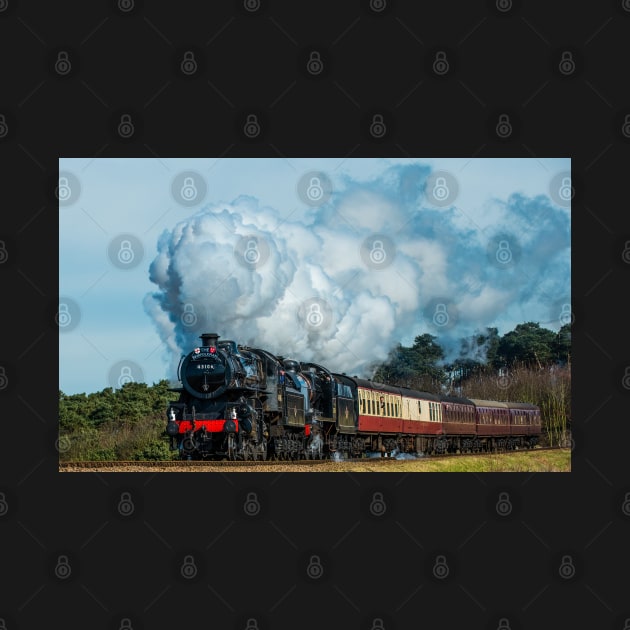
(526, 461)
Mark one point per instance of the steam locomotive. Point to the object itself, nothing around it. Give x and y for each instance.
(244, 403)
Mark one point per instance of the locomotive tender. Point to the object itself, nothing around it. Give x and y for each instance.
(238, 402)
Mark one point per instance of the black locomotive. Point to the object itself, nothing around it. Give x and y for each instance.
(238, 402)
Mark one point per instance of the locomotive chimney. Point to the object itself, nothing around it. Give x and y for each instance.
(209, 340)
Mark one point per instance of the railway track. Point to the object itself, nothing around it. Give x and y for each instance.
(176, 463)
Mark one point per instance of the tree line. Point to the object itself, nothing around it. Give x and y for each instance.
(123, 424)
(423, 365)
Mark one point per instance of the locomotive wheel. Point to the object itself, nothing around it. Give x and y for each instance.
(231, 447)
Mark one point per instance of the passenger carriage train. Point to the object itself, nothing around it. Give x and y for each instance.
(238, 402)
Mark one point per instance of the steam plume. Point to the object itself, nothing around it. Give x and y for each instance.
(435, 255)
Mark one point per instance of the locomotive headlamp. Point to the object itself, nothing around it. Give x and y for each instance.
(212, 350)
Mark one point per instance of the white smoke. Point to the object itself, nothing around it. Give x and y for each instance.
(434, 256)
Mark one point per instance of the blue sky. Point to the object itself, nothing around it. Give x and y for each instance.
(114, 211)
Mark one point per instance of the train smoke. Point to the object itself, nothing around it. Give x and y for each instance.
(375, 265)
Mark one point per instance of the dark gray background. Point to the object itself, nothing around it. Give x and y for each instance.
(125, 571)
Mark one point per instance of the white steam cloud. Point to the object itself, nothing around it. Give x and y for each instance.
(242, 271)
